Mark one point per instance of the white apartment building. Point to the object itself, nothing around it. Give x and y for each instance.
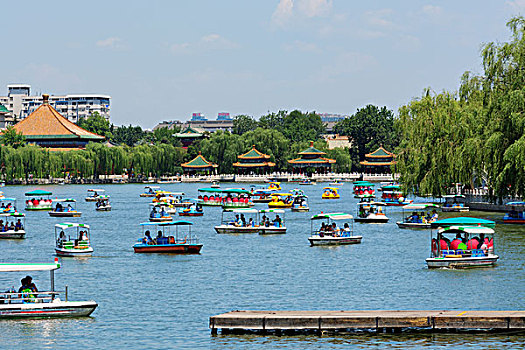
(20, 104)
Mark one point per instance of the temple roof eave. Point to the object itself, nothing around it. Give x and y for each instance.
(253, 165)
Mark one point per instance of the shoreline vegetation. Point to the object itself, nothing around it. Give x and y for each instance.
(471, 139)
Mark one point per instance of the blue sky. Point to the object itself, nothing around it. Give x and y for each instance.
(163, 60)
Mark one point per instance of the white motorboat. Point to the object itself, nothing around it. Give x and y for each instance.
(94, 194)
(371, 212)
(327, 234)
(13, 227)
(76, 245)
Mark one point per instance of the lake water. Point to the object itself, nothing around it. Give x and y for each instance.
(155, 301)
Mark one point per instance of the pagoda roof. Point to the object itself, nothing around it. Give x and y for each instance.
(366, 162)
(253, 165)
(253, 154)
(199, 162)
(3, 109)
(319, 160)
(189, 132)
(380, 153)
(312, 150)
(46, 123)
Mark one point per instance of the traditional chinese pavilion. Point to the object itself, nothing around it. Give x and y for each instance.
(47, 128)
(379, 161)
(253, 161)
(312, 158)
(188, 136)
(199, 164)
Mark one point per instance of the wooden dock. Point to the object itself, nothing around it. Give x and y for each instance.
(375, 320)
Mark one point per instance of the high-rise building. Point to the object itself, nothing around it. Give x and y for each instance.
(20, 104)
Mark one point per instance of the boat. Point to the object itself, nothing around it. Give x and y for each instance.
(393, 196)
(169, 239)
(150, 191)
(363, 189)
(328, 236)
(171, 203)
(415, 220)
(65, 208)
(516, 213)
(194, 209)
(307, 182)
(371, 212)
(38, 200)
(262, 196)
(330, 193)
(103, 204)
(234, 224)
(14, 226)
(281, 200)
(10, 207)
(300, 203)
(455, 203)
(462, 242)
(44, 304)
(276, 226)
(386, 184)
(163, 196)
(215, 184)
(158, 213)
(274, 186)
(225, 198)
(336, 183)
(78, 245)
(94, 194)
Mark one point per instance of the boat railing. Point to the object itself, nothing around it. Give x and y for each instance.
(337, 233)
(27, 297)
(463, 253)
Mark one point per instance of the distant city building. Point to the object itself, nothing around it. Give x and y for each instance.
(337, 141)
(21, 104)
(224, 116)
(199, 122)
(329, 120)
(198, 117)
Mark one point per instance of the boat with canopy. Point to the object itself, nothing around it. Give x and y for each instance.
(276, 226)
(41, 304)
(462, 242)
(330, 234)
(516, 213)
(300, 203)
(150, 191)
(393, 196)
(158, 213)
(103, 204)
(249, 220)
(330, 193)
(172, 237)
(38, 200)
(10, 207)
(193, 209)
(455, 203)
(363, 189)
(281, 200)
(418, 220)
(94, 194)
(163, 196)
(65, 208)
(307, 182)
(228, 198)
(72, 239)
(371, 212)
(13, 227)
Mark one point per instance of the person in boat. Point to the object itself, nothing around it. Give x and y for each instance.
(95, 194)
(2, 225)
(59, 207)
(69, 207)
(158, 239)
(473, 243)
(362, 212)
(18, 225)
(413, 217)
(243, 220)
(456, 242)
(147, 239)
(82, 236)
(250, 222)
(153, 212)
(198, 208)
(11, 226)
(267, 222)
(28, 288)
(277, 221)
(346, 227)
(61, 238)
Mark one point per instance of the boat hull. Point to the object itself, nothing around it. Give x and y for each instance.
(20, 234)
(279, 206)
(147, 195)
(301, 209)
(330, 240)
(103, 209)
(462, 263)
(237, 206)
(412, 225)
(74, 252)
(372, 220)
(514, 221)
(55, 309)
(168, 248)
(65, 214)
(91, 199)
(39, 208)
(235, 229)
(191, 214)
(272, 230)
(163, 219)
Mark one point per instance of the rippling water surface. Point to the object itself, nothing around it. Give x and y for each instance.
(164, 301)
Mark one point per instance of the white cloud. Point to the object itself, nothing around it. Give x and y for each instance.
(432, 10)
(516, 5)
(379, 18)
(206, 43)
(111, 43)
(290, 9)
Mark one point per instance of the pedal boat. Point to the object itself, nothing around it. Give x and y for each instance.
(393, 196)
(273, 227)
(516, 213)
(300, 203)
(375, 214)
(150, 191)
(281, 200)
(94, 194)
(78, 245)
(44, 203)
(168, 241)
(464, 256)
(420, 223)
(192, 210)
(231, 226)
(330, 193)
(161, 215)
(66, 210)
(455, 203)
(339, 237)
(363, 189)
(13, 233)
(42, 304)
(103, 204)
